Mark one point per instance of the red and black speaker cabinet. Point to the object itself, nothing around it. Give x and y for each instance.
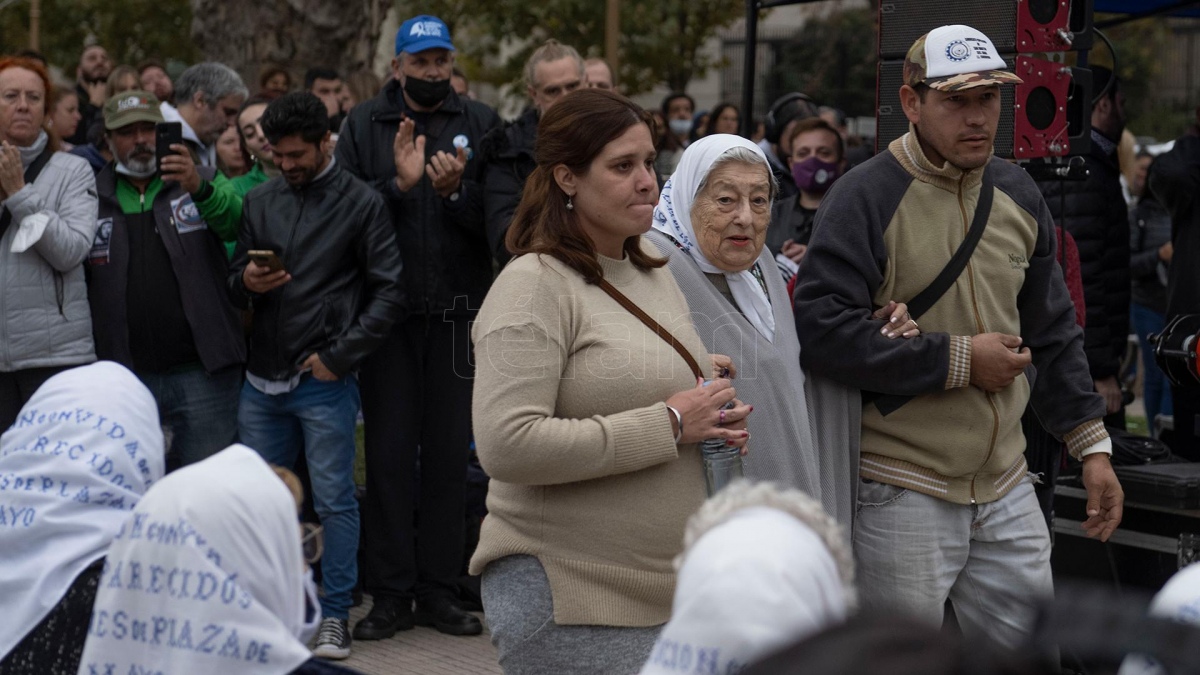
(1014, 26)
(1049, 115)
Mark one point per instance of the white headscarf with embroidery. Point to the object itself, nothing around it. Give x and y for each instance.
(673, 216)
(83, 451)
(761, 566)
(208, 578)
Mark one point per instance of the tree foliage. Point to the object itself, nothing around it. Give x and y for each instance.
(294, 34)
(833, 60)
(131, 30)
(661, 40)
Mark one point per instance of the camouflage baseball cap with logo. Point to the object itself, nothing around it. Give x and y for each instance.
(129, 107)
(953, 58)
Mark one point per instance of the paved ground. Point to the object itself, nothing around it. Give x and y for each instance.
(422, 651)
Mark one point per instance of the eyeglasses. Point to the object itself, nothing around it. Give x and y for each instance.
(312, 541)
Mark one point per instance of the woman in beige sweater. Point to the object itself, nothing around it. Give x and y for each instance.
(587, 421)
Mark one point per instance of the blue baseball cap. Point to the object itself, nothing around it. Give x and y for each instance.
(423, 32)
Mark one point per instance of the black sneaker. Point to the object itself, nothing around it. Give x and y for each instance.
(333, 640)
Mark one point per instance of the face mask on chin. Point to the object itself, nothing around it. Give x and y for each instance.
(680, 127)
(814, 175)
(425, 93)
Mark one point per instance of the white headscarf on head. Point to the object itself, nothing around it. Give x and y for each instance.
(761, 567)
(82, 452)
(211, 569)
(1179, 600)
(673, 216)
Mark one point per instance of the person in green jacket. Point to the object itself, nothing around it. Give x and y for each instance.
(155, 276)
(258, 146)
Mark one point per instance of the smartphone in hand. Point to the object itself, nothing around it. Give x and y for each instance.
(266, 259)
(166, 134)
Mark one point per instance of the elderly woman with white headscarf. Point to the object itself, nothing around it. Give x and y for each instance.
(209, 578)
(83, 451)
(711, 224)
(762, 566)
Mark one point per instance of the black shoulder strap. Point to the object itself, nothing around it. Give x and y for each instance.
(31, 174)
(950, 273)
(890, 403)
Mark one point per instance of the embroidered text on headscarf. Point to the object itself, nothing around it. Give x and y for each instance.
(206, 577)
(673, 217)
(80, 455)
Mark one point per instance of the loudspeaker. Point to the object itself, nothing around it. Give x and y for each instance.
(1014, 26)
(1046, 116)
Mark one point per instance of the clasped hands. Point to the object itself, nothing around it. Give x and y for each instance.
(445, 170)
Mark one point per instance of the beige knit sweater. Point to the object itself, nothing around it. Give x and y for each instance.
(570, 423)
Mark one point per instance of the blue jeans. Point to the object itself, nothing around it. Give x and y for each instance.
(198, 410)
(318, 417)
(1156, 393)
(992, 561)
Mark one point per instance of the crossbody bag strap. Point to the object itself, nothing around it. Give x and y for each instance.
(950, 273)
(652, 325)
(31, 174)
(923, 301)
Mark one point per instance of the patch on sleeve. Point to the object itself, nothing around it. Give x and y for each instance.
(99, 253)
(186, 215)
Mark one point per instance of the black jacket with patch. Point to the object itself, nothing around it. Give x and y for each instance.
(447, 262)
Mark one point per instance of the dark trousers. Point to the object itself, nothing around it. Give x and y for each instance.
(17, 387)
(416, 400)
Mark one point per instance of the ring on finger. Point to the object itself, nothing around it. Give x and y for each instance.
(914, 323)
(721, 417)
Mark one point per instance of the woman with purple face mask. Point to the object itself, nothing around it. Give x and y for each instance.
(817, 159)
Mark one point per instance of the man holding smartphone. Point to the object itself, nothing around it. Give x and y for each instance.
(155, 279)
(317, 260)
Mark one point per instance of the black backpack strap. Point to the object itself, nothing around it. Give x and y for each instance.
(890, 403)
(31, 174)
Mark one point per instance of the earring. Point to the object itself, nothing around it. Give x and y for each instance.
(570, 204)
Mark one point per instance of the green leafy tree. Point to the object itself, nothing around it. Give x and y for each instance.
(833, 60)
(661, 40)
(131, 30)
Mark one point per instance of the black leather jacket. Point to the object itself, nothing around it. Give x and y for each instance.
(447, 262)
(335, 239)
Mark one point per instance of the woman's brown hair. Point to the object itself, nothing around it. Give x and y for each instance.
(573, 133)
(48, 98)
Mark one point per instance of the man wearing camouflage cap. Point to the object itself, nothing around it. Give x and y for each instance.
(946, 508)
(156, 279)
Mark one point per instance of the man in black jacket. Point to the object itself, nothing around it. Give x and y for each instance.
(416, 144)
(1095, 213)
(552, 70)
(1175, 180)
(156, 280)
(324, 297)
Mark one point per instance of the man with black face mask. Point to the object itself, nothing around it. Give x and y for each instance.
(417, 143)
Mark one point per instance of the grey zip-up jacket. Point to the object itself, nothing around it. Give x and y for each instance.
(44, 316)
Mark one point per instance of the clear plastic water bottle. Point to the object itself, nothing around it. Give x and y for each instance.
(722, 463)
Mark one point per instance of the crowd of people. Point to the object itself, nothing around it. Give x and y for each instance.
(581, 302)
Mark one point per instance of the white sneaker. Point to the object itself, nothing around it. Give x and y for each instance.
(333, 640)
